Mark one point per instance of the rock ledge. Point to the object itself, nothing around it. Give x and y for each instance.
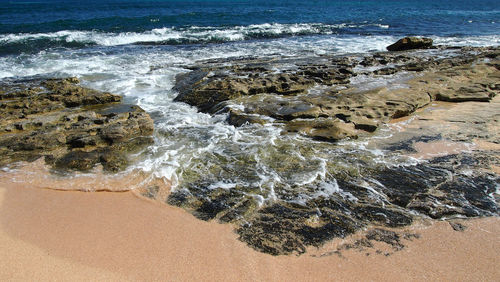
(73, 127)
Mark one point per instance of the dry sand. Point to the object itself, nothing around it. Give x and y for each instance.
(70, 235)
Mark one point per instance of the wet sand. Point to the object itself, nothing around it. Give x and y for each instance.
(71, 235)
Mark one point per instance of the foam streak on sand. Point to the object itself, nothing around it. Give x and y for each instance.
(38, 174)
(51, 235)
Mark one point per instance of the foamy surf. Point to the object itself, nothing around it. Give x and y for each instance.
(191, 146)
(18, 43)
(185, 35)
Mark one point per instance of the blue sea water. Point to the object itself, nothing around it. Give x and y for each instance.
(78, 24)
(136, 48)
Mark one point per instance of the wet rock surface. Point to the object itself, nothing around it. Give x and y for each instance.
(409, 43)
(383, 196)
(390, 200)
(72, 127)
(329, 99)
(325, 97)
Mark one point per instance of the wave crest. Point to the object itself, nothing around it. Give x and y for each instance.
(27, 42)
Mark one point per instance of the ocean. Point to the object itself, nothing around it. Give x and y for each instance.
(29, 27)
(136, 48)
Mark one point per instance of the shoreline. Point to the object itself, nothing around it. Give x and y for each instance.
(54, 235)
(78, 227)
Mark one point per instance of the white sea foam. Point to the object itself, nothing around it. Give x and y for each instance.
(327, 189)
(368, 82)
(193, 34)
(476, 41)
(190, 143)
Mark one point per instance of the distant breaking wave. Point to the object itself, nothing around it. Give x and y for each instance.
(32, 43)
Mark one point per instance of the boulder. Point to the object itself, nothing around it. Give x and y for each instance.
(409, 43)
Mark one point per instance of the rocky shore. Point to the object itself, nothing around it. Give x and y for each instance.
(72, 127)
(329, 98)
(325, 100)
(315, 96)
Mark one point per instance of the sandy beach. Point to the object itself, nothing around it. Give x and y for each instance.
(93, 228)
(249, 140)
(69, 235)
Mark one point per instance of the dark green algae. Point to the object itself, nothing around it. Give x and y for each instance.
(440, 188)
(366, 193)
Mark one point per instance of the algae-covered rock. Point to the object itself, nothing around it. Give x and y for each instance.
(383, 196)
(72, 126)
(300, 192)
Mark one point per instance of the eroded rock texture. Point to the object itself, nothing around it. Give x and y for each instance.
(333, 98)
(73, 127)
(314, 96)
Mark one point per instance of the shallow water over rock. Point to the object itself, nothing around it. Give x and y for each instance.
(293, 167)
(301, 189)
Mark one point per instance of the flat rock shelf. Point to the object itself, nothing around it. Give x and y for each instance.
(333, 98)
